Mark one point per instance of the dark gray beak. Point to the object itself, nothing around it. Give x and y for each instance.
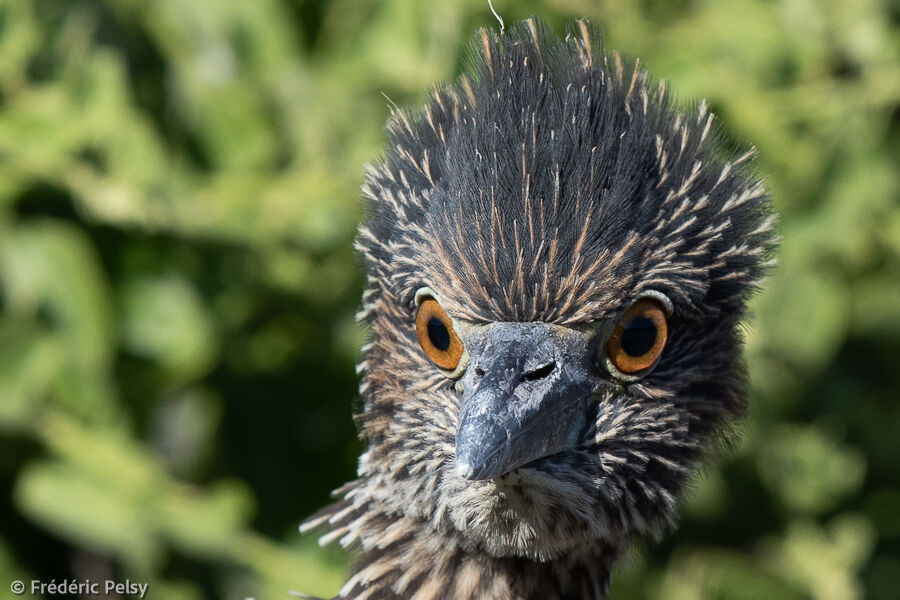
(526, 394)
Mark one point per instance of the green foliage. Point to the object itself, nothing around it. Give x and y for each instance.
(178, 195)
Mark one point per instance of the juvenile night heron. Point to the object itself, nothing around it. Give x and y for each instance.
(558, 260)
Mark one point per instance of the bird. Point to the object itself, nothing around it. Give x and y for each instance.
(559, 257)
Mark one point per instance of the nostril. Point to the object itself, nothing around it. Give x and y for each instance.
(538, 373)
(479, 372)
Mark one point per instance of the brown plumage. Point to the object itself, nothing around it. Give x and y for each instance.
(551, 200)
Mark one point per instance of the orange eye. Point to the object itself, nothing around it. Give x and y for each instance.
(436, 335)
(639, 337)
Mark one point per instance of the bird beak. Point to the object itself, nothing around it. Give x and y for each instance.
(525, 395)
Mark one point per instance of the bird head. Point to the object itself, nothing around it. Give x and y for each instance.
(559, 256)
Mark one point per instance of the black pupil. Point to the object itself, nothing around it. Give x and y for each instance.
(637, 338)
(438, 334)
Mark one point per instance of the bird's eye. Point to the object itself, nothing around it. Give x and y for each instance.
(436, 335)
(639, 337)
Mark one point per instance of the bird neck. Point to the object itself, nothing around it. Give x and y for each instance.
(404, 557)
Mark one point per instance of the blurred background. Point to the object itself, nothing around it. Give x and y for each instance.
(179, 188)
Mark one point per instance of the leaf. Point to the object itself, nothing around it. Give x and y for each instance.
(86, 513)
(807, 470)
